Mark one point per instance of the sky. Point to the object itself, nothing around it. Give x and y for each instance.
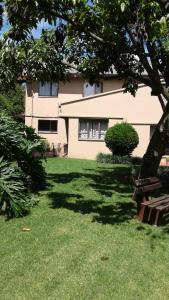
(36, 32)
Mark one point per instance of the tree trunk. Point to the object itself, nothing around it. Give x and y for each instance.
(152, 157)
(156, 147)
(155, 151)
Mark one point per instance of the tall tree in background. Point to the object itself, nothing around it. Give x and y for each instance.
(21, 172)
(13, 102)
(129, 37)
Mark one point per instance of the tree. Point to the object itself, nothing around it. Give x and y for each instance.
(129, 37)
(13, 102)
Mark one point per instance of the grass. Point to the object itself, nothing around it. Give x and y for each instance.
(84, 241)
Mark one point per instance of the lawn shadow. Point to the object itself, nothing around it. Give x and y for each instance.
(104, 213)
(107, 181)
(104, 181)
(63, 177)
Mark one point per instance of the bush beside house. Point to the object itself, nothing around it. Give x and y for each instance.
(121, 139)
(20, 171)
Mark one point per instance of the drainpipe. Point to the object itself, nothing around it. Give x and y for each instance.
(32, 103)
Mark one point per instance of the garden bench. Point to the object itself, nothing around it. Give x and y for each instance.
(150, 209)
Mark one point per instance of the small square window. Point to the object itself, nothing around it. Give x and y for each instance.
(47, 125)
(89, 90)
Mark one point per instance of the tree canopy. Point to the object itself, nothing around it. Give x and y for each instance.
(125, 38)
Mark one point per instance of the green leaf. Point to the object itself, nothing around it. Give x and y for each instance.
(123, 6)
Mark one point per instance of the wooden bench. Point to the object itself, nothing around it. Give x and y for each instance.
(150, 209)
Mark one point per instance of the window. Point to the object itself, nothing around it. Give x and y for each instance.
(48, 88)
(92, 129)
(47, 125)
(89, 89)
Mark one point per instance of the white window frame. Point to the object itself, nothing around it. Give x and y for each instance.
(53, 87)
(90, 133)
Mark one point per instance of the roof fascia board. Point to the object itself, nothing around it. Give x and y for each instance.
(96, 96)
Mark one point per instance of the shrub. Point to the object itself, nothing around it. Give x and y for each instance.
(18, 143)
(117, 159)
(113, 159)
(121, 139)
(14, 200)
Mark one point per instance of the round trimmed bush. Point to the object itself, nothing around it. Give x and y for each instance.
(121, 139)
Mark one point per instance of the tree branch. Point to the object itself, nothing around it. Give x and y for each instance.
(78, 28)
(161, 102)
(142, 57)
(141, 79)
(165, 93)
(69, 65)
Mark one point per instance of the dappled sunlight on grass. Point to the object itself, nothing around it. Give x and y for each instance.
(84, 240)
(100, 193)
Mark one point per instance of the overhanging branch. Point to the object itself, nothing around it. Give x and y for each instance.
(161, 102)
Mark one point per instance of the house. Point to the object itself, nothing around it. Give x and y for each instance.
(77, 114)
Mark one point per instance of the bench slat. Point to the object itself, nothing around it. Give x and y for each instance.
(148, 188)
(146, 181)
(149, 208)
(162, 207)
(154, 200)
(159, 202)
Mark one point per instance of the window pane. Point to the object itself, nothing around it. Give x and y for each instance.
(83, 129)
(54, 87)
(98, 88)
(48, 89)
(44, 125)
(88, 89)
(47, 125)
(92, 129)
(44, 89)
(103, 128)
(94, 132)
(53, 125)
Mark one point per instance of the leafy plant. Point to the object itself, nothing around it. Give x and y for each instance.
(13, 198)
(121, 139)
(18, 143)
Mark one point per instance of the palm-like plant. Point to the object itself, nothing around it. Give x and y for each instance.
(12, 190)
(17, 146)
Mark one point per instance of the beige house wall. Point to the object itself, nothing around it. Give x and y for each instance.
(42, 106)
(111, 85)
(143, 109)
(113, 104)
(52, 138)
(144, 138)
(89, 149)
(83, 149)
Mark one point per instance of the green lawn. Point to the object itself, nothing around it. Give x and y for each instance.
(84, 242)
